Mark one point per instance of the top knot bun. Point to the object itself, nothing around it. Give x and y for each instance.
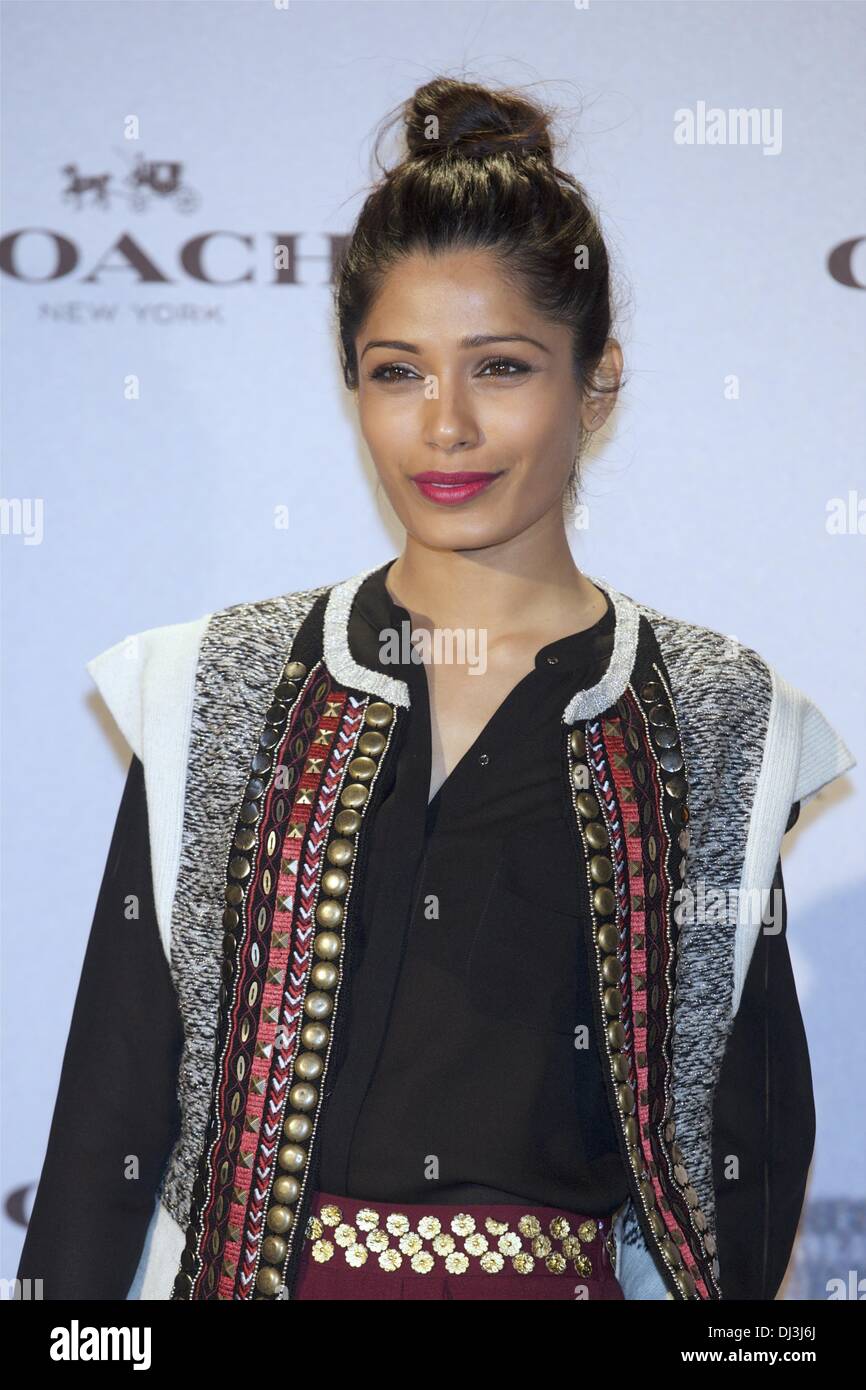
(474, 121)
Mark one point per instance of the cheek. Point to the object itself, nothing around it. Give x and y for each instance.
(540, 447)
(391, 429)
(538, 426)
(535, 427)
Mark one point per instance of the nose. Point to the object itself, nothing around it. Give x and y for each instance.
(449, 421)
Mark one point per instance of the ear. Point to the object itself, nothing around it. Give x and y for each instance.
(600, 398)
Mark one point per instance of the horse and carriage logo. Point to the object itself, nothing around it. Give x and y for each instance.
(147, 181)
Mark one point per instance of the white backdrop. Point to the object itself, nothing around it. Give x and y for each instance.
(163, 399)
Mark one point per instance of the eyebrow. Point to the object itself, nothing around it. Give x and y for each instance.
(476, 340)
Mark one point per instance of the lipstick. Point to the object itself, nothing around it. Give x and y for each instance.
(451, 488)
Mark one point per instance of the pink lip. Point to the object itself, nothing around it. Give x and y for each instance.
(450, 488)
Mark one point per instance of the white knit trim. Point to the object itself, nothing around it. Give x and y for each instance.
(583, 705)
(596, 698)
(148, 683)
(160, 1257)
(823, 754)
(337, 655)
(802, 753)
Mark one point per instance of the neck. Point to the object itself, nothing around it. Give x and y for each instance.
(502, 589)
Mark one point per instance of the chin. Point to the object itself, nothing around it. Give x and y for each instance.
(452, 533)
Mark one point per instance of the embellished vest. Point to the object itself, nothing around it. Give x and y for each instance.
(261, 771)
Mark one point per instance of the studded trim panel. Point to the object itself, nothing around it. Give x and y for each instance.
(630, 797)
(242, 652)
(288, 888)
(722, 694)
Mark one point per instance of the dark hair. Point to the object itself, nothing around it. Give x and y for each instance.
(480, 172)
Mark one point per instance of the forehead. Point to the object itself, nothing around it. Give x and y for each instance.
(449, 296)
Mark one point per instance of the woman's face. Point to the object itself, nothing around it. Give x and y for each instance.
(505, 407)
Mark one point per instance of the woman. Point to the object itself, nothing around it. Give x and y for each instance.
(415, 1005)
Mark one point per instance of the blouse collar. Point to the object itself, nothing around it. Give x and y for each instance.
(584, 704)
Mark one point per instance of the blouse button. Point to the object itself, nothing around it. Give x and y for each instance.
(484, 759)
(552, 660)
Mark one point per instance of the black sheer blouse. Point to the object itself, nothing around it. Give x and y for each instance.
(472, 1071)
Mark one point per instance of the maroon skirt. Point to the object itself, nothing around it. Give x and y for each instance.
(374, 1250)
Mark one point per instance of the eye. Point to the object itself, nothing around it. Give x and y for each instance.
(520, 367)
(379, 373)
